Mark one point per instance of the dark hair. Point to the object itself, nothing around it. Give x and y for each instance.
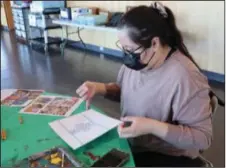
(146, 22)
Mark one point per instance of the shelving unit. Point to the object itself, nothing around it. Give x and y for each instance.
(41, 40)
(20, 18)
(42, 22)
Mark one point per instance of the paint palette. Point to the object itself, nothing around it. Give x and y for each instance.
(53, 158)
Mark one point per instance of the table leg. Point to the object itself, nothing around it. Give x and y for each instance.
(78, 32)
(45, 34)
(30, 36)
(46, 40)
(64, 40)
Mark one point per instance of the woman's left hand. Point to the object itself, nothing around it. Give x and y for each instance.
(139, 126)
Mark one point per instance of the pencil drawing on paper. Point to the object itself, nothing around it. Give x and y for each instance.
(81, 127)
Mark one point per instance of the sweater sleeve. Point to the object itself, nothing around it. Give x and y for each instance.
(193, 115)
(120, 76)
(113, 90)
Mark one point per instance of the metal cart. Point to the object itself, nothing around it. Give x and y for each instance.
(42, 22)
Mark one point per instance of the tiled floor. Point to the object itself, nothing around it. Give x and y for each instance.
(24, 68)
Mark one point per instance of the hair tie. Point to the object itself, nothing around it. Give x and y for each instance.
(160, 7)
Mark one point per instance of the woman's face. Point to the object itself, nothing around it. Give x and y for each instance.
(127, 44)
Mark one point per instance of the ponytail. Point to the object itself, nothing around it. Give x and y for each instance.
(177, 40)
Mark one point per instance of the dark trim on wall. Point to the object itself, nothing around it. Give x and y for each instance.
(213, 76)
(4, 28)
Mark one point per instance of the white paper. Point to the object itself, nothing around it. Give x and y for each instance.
(83, 128)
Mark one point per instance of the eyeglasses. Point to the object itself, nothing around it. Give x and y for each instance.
(125, 50)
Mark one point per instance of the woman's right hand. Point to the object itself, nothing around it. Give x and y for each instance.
(89, 89)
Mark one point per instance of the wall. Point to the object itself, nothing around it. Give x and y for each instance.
(3, 17)
(201, 23)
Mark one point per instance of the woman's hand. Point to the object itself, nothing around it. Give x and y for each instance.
(139, 126)
(181, 136)
(89, 89)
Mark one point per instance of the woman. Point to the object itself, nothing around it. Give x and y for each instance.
(162, 91)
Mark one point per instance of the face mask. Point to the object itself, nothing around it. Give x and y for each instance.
(132, 61)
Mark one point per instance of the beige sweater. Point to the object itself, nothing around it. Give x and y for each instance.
(175, 93)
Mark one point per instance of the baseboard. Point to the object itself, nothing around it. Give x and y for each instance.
(213, 76)
(5, 28)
